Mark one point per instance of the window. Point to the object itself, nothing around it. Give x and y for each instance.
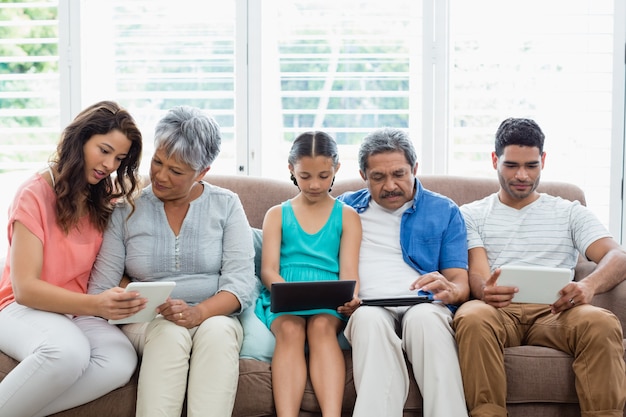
(448, 71)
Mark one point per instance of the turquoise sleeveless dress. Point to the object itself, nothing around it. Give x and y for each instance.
(305, 257)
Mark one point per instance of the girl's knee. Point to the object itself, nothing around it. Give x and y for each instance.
(289, 328)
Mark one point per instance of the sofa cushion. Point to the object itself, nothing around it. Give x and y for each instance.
(258, 340)
(524, 363)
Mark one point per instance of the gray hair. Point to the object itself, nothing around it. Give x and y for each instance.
(190, 135)
(384, 140)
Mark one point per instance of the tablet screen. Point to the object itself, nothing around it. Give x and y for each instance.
(155, 292)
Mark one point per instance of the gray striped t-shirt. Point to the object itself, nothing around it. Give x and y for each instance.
(549, 232)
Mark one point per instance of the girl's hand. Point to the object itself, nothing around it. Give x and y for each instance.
(348, 308)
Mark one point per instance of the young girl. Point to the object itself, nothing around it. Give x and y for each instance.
(67, 356)
(311, 237)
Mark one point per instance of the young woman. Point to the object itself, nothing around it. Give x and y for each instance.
(311, 237)
(68, 353)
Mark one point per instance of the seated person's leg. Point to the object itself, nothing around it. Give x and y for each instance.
(593, 336)
(53, 354)
(428, 340)
(380, 374)
(164, 368)
(288, 364)
(214, 367)
(327, 367)
(480, 335)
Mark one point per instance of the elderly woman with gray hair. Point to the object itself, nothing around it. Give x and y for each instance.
(188, 231)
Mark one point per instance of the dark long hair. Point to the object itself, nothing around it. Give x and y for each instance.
(314, 143)
(71, 184)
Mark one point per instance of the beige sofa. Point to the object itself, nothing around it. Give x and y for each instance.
(540, 380)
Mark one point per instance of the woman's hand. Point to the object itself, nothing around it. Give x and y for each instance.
(115, 303)
(179, 312)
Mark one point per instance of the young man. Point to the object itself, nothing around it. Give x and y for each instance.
(412, 239)
(519, 225)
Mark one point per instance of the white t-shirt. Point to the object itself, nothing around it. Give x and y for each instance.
(550, 231)
(382, 271)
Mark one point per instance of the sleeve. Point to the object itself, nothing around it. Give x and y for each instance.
(29, 209)
(586, 228)
(474, 239)
(109, 266)
(237, 272)
(454, 243)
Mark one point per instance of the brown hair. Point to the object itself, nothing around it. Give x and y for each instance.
(70, 184)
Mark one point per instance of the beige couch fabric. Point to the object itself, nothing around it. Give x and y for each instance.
(540, 380)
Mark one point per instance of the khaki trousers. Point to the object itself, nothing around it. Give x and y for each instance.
(380, 372)
(593, 336)
(202, 362)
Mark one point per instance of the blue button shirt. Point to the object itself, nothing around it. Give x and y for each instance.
(433, 236)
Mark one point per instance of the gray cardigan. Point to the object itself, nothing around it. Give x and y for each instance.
(213, 251)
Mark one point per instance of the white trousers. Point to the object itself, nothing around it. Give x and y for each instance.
(380, 373)
(202, 362)
(64, 361)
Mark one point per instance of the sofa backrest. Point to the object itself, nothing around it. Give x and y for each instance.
(259, 194)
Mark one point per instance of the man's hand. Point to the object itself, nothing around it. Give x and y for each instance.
(573, 294)
(443, 289)
(495, 295)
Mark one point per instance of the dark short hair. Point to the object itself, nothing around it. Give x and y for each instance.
(384, 140)
(518, 131)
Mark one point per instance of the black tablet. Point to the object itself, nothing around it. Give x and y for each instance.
(293, 296)
(406, 300)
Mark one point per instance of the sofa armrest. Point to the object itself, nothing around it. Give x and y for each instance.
(614, 300)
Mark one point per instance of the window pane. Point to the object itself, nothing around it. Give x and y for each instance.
(29, 84)
(169, 53)
(29, 95)
(547, 60)
(345, 67)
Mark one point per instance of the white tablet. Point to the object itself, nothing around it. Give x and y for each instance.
(155, 292)
(536, 284)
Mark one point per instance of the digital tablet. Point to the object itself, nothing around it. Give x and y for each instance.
(293, 296)
(536, 284)
(406, 300)
(155, 292)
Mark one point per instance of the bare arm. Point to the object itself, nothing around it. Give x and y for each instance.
(349, 255)
(610, 271)
(350, 246)
(31, 291)
(270, 255)
(483, 283)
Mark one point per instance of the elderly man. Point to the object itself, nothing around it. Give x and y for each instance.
(412, 239)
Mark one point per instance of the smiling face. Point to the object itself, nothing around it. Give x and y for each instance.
(390, 179)
(104, 154)
(519, 170)
(314, 175)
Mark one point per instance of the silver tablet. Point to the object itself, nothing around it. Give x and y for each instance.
(155, 292)
(536, 284)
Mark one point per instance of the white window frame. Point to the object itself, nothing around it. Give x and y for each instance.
(253, 129)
